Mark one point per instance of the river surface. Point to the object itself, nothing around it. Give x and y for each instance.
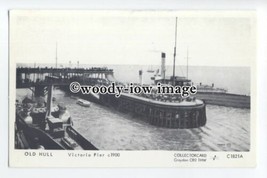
(227, 129)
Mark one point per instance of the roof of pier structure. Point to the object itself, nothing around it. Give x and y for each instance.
(64, 70)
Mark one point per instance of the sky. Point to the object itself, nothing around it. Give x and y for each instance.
(132, 38)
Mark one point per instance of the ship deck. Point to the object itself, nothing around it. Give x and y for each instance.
(183, 103)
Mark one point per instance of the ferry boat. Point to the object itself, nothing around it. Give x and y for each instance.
(210, 89)
(208, 93)
(173, 113)
(169, 111)
(47, 127)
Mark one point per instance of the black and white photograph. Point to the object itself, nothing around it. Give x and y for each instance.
(133, 81)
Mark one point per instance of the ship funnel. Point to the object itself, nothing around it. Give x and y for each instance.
(141, 77)
(163, 69)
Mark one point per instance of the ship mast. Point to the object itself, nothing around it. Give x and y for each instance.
(174, 54)
(56, 54)
(187, 63)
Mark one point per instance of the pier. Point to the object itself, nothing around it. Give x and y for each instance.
(36, 76)
(39, 78)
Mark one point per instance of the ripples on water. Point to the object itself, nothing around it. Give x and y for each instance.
(227, 129)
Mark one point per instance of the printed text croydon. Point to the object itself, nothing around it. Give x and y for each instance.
(116, 90)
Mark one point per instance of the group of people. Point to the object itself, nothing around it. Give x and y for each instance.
(166, 97)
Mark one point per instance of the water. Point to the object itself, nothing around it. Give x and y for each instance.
(227, 129)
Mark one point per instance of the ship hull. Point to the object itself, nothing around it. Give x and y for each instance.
(161, 114)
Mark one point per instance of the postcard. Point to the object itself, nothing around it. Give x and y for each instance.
(109, 88)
